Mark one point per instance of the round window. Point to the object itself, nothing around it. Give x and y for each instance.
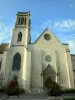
(48, 58)
(47, 36)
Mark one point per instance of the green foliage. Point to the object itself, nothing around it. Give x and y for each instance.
(16, 91)
(13, 88)
(6, 90)
(67, 90)
(3, 89)
(21, 90)
(55, 90)
(13, 91)
(13, 84)
(70, 99)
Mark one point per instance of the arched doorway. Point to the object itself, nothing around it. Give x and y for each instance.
(48, 82)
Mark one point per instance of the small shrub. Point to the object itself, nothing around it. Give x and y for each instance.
(68, 91)
(3, 89)
(21, 90)
(13, 88)
(55, 90)
(13, 84)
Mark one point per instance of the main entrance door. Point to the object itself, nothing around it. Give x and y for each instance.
(48, 83)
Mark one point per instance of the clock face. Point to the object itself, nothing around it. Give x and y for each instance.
(48, 58)
(47, 37)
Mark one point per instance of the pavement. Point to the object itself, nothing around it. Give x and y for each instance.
(3, 96)
(34, 96)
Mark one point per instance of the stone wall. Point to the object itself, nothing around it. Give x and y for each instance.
(73, 65)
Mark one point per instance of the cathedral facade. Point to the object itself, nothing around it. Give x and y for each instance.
(35, 64)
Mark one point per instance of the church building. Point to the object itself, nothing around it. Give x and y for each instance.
(35, 64)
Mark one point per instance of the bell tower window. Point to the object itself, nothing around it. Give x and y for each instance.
(25, 21)
(22, 20)
(19, 20)
(19, 37)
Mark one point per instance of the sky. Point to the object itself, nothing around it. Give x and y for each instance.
(57, 15)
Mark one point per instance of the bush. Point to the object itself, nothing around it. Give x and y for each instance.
(13, 84)
(55, 90)
(68, 91)
(13, 91)
(13, 88)
(3, 89)
(21, 90)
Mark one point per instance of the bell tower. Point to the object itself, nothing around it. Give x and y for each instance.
(21, 31)
(16, 62)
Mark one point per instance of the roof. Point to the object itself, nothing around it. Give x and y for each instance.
(3, 47)
(23, 13)
(41, 35)
(72, 54)
(65, 44)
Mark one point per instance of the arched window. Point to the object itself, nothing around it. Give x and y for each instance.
(22, 20)
(19, 37)
(16, 62)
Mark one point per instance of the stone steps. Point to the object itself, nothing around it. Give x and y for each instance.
(32, 95)
(35, 94)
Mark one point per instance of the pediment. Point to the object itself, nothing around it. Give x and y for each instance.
(47, 35)
(49, 72)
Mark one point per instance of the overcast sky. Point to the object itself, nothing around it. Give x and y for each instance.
(58, 15)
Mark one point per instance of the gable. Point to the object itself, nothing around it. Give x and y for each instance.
(49, 72)
(46, 33)
(3, 47)
(48, 41)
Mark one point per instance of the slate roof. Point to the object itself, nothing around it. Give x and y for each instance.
(3, 47)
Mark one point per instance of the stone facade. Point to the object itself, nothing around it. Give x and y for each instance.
(73, 65)
(46, 58)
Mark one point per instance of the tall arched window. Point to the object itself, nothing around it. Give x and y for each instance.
(22, 20)
(19, 37)
(16, 62)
